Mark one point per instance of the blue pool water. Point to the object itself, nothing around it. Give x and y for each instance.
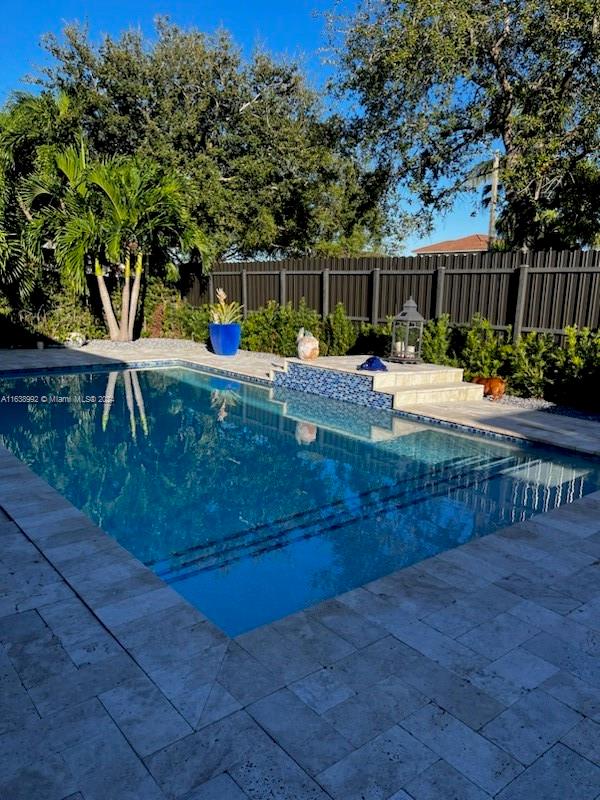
(254, 504)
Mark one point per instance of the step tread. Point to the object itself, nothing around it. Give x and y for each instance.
(433, 387)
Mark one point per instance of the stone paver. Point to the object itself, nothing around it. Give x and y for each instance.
(269, 773)
(473, 675)
(322, 690)
(499, 636)
(531, 726)
(372, 711)
(478, 759)
(585, 740)
(575, 693)
(378, 768)
(309, 738)
(539, 426)
(443, 782)
(560, 774)
(146, 718)
(220, 788)
(513, 674)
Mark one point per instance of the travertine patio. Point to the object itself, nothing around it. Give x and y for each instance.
(474, 674)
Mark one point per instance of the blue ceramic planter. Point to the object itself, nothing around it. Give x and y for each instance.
(225, 339)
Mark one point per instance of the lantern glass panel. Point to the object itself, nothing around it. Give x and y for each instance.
(407, 334)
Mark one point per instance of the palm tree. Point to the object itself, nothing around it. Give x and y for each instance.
(146, 211)
(28, 126)
(486, 176)
(109, 215)
(65, 216)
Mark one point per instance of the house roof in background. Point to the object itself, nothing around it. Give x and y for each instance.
(474, 243)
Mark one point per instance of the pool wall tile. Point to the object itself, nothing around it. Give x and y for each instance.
(357, 389)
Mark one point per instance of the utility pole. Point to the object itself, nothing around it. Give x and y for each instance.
(494, 199)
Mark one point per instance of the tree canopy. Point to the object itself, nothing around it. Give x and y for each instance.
(439, 84)
(273, 173)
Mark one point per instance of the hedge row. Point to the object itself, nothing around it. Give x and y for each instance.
(535, 366)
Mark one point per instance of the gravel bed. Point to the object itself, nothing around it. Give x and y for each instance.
(535, 404)
(146, 344)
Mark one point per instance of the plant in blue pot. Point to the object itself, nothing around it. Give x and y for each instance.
(224, 328)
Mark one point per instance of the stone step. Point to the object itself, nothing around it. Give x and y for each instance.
(443, 393)
(409, 376)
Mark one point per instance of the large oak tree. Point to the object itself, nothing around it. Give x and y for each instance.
(274, 173)
(439, 84)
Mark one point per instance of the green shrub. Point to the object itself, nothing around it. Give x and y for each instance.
(437, 340)
(65, 314)
(575, 373)
(167, 315)
(484, 351)
(192, 321)
(530, 360)
(340, 333)
(373, 340)
(274, 328)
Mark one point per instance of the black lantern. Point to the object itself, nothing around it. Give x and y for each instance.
(407, 334)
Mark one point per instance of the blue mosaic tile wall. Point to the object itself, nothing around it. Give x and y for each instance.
(345, 386)
(324, 411)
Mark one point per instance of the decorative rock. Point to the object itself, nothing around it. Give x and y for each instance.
(306, 432)
(75, 340)
(308, 345)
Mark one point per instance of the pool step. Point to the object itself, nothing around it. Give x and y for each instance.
(338, 377)
(438, 481)
(415, 375)
(442, 393)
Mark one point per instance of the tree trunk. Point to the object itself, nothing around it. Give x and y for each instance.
(139, 399)
(124, 335)
(135, 293)
(109, 314)
(129, 399)
(109, 397)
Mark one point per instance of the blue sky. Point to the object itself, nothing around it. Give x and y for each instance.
(291, 27)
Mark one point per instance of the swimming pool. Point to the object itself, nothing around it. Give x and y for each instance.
(254, 503)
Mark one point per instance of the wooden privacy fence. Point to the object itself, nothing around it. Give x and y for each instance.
(541, 291)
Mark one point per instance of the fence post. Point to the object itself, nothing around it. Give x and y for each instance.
(245, 293)
(440, 275)
(282, 288)
(325, 293)
(211, 288)
(375, 284)
(522, 272)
